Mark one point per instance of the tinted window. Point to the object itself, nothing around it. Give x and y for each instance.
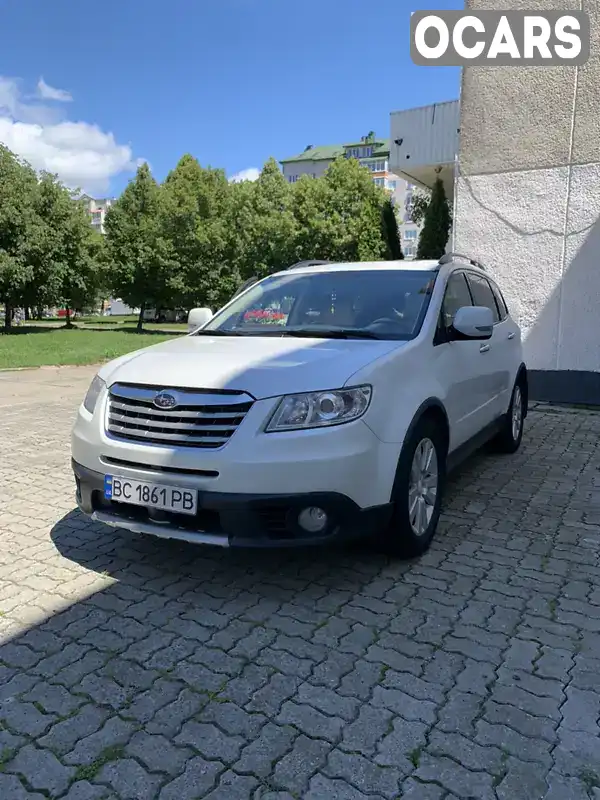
(502, 308)
(482, 294)
(457, 295)
(389, 303)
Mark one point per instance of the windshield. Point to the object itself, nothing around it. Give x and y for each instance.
(384, 304)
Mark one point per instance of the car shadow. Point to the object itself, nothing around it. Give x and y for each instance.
(128, 556)
(140, 559)
(21, 330)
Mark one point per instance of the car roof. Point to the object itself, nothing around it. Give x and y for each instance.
(403, 265)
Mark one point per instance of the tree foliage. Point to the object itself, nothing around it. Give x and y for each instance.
(48, 250)
(339, 216)
(262, 224)
(19, 229)
(436, 224)
(418, 207)
(139, 269)
(191, 240)
(390, 232)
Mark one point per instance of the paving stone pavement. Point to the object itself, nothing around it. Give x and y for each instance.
(134, 668)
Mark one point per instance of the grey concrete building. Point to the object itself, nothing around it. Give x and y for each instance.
(528, 205)
(526, 187)
(96, 209)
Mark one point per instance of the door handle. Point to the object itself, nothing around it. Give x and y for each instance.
(511, 335)
(484, 348)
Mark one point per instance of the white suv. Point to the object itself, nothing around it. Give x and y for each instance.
(324, 402)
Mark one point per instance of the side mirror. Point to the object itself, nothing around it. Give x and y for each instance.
(473, 322)
(198, 317)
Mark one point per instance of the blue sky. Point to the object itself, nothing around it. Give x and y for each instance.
(232, 82)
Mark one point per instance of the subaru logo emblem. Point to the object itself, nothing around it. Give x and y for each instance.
(165, 400)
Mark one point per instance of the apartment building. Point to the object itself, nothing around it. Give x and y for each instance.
(96, 209)
(373, 153)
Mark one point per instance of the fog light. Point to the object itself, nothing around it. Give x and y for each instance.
(312, 519)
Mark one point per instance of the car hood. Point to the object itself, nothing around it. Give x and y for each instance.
(262, 366)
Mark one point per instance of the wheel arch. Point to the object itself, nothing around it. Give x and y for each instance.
(430, 408)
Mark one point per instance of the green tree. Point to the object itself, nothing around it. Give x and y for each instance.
(262, 224)
(419, 203)
(391, 234)
(64, 255)
(52, 205)
(436, 224)
(20, 228)
(81, 265)
(339, 216)
(194, 222)
(138, 264)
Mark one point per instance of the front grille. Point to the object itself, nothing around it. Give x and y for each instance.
(206, 419)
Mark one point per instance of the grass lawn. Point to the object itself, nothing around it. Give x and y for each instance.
(37, 346)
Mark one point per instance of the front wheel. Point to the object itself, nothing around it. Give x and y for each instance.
(417, 493)
(509, 438)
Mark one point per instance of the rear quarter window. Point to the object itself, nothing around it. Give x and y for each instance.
(500, 302)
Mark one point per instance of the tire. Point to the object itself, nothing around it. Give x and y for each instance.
(407, 535)
(510, 436)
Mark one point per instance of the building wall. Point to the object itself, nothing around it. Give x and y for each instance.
(528, 205)
(96, 209)
(294, 169)
(425, 140)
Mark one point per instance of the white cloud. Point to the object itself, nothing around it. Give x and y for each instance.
(47, 92)
(80, 153)
(250, 174)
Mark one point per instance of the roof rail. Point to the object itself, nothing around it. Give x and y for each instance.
(309, 263)
(448, 258)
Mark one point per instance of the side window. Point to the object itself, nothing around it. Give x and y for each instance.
(482, 294)
(502, 307)
(457, 295)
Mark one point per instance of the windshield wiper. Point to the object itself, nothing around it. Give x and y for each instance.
(216, 332)
(331, 333)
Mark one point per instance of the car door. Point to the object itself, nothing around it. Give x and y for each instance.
(461, 367)
(509, 335)
(496, 350)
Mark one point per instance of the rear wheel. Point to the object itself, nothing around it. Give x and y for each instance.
(417, 493)
(509, 438)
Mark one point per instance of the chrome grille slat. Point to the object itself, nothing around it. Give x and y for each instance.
(190, 397)
(147, 435)
(201, 419)
(155, 412)
(124, 419)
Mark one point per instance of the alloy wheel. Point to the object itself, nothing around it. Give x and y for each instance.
(423, 486)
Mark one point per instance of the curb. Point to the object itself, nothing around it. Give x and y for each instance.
(18, 369)
(52, 366)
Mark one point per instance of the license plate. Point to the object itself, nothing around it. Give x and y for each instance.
(150, 495)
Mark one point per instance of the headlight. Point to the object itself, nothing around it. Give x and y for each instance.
(93, 393)
(318, 409)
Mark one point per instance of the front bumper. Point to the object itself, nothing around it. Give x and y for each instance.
(235, 520)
